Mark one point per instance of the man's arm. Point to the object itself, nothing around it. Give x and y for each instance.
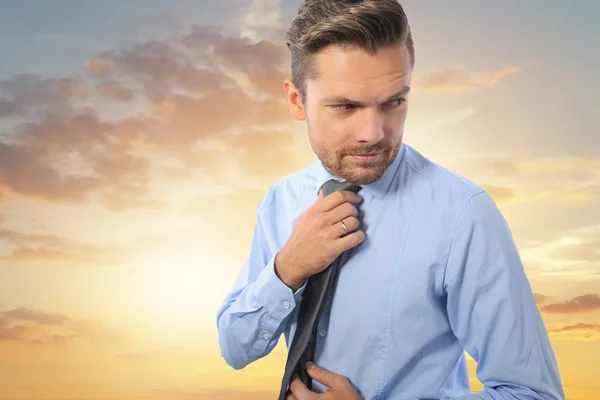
(254, 314)
(492, 310)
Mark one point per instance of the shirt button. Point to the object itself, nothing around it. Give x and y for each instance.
(322, 333)
(286, 304)
(266, 335)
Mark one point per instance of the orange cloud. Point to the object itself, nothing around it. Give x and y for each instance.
(199, 88)
(51, 248)
(579, 331)
(38, 254)
(584, 303)
(539, 298)
(459, 79)
(74, 159)
(586, 194)
(37, 327)
(547, 166)
(98, 66)
(560, 181)
(230, 217)
(4, 190)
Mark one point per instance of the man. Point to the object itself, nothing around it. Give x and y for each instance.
(432, 270)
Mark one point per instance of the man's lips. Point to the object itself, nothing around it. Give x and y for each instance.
(365, 157)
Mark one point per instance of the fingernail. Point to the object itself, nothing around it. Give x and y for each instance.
(310, 365)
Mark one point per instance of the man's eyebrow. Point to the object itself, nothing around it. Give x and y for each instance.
(344, 100)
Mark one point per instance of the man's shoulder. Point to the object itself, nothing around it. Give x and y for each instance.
(446, 193)
(441, 179)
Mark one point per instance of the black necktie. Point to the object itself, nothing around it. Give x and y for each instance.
(317, 288)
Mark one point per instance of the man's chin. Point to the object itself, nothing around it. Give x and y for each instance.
(363, 174)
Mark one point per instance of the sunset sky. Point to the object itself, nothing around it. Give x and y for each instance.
(136, 139)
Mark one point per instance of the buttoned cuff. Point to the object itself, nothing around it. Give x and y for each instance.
(274, 295)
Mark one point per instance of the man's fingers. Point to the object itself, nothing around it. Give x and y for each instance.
(290, 396)
(340, 212)
(326, 377)
(349, 241)
(299, 390)
(337, 230)
(336, 198)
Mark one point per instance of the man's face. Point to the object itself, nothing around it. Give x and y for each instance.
(356, 109)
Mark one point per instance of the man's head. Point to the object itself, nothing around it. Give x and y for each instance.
(352, 64)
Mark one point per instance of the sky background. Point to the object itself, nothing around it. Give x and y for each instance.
(133, 140)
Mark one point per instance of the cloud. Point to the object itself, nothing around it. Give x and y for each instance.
(231, 220)
(539, 298)
(262, 18)
(38, 254)
(51, 248)
(574, 252)
(19, 238)
(197, 88)
(24, 169)
(74, 160)
(4, 191)
(98, 66)
(588, 166)
(27, 94)
(458, 79)
(585, 194)
(115, 90)
(579, 304)
(579, 331)
(38, 327)
(561, 181)
(39, 317)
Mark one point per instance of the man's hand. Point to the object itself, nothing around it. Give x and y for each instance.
(318, 237)
(339, 386)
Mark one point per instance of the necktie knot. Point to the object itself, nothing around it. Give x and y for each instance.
(334, 185)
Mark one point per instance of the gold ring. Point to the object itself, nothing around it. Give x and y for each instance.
(344, 226)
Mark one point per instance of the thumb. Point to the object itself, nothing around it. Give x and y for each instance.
(324, 376)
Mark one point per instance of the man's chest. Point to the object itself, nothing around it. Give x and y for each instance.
(396, 273)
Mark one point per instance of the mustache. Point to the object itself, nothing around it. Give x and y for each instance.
(368, 149)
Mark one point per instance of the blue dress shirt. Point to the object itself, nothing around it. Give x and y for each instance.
(437, 275)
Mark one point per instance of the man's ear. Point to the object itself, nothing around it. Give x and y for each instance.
(294, 100)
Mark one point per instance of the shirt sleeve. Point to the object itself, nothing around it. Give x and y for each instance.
(255, 313)
(492, 310)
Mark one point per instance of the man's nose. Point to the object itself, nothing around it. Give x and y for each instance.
(371, 126)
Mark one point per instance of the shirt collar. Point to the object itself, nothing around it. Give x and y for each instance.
(378, 188)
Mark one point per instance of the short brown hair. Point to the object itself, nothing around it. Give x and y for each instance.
(365, 24)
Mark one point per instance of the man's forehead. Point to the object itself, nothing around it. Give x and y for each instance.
(354, 72)
(380, 89)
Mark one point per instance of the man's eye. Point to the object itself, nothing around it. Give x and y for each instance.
(343, 107)
(396, 102)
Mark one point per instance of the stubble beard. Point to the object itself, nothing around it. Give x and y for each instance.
(340, 163)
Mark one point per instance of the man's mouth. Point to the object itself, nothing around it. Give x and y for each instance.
(365, 157)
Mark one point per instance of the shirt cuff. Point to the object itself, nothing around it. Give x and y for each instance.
(274, 295)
